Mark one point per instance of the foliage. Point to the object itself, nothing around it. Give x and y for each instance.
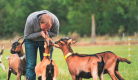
(74, 15)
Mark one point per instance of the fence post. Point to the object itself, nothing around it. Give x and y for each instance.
(123, 38)
(135, 35)
(129, 47)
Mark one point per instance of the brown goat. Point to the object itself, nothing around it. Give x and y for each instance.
(47, 69)
(1, 64)
(81, 66)
(111, 61)
(17, 60)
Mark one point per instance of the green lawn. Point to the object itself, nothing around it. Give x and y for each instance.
(128, 71)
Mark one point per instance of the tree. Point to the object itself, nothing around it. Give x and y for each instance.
(74, 16)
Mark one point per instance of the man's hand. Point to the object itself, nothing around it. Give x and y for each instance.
(42, 34)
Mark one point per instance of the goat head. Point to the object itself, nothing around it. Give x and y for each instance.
(16, 46)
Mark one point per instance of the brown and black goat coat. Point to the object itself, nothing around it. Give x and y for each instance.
(17, 60)
(111, 61)
(47, 69)
(81, 66)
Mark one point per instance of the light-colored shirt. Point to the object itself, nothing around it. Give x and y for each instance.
(32, 27)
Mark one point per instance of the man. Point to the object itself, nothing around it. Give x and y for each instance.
(34, 33)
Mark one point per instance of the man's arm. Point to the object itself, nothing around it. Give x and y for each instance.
(29, 32)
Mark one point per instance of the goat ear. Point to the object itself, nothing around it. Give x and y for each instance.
(11, 41)
(22, 42)
(56, 45)
(45, 44)
(73, 42)
(62, 42)
(69, 41)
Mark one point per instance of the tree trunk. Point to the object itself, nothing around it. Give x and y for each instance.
(93, 29)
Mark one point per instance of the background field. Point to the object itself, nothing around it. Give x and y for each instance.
(128, 71)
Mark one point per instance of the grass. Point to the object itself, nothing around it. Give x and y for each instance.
(128, 71)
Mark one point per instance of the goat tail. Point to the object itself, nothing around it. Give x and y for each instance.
(51, 62)
(2, 51)
(49, 71)
(123, 60)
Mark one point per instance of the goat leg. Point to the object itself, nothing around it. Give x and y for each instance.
(25, 77)
(101, 76)
(118, 75)
(40, 78)
(94, 75)
(18, 76)
(54, 78)
(3, 67)
(112, 74)
(9, 74)
(80, 78)
(73, 77)
(43, 74)
(77, 78)
(94, 72)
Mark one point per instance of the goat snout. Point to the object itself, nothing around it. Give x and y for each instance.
(12, 51)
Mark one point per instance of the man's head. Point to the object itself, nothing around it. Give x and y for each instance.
(46, 22)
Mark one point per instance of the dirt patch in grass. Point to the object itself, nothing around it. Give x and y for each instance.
(104, 43)
(7, 43)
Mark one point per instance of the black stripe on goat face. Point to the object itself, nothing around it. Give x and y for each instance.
(58, 42)
(64, 40)
(14, 46)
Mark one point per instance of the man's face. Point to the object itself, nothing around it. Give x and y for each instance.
(44, 27)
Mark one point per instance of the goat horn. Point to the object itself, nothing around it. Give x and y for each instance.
(47, 42)
(2, 51)
(3, 47)
(73, 39)
(11, 41)
(52, 42)
(19, 38)
(14, 40)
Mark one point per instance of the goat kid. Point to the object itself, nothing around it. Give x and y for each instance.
(81, 66)
(1, 64)
(17, 60)
(111, 61)
(47, 69)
